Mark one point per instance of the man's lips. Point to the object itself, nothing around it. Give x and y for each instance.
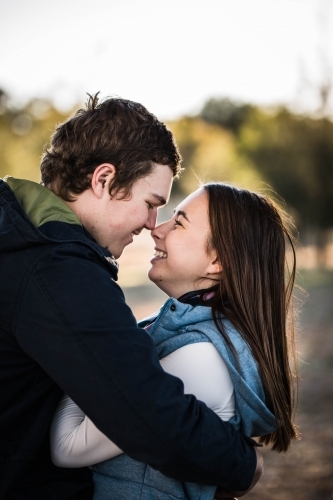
(137, 231)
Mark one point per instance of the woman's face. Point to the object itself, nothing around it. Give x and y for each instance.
(181, 254)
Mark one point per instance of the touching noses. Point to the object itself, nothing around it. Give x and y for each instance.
(151, 221)
(160, 231)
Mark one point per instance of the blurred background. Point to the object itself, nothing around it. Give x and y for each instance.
(246, 88)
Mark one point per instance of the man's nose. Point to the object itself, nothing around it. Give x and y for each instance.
(151, 221)
(160, 231)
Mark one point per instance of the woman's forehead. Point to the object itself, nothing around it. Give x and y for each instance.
(197, 197)
(194, 208)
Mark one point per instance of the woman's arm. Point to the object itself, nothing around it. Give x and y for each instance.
(204, 374)
(75, 441)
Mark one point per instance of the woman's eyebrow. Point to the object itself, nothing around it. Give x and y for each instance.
(181, 212)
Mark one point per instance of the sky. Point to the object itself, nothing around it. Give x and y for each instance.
(171, 56)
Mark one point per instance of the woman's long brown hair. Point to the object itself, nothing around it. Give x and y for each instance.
(255, 294)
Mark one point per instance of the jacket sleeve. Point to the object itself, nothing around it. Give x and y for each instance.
(73, 321)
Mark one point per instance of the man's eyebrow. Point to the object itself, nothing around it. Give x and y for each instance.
(161, 200)
(181, 212)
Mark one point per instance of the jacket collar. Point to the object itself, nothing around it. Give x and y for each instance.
(34, 215)
(40, 204)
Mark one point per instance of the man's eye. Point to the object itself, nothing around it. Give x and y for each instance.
(150, 206)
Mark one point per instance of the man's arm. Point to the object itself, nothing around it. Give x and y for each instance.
(75, 324)
(223, 494)
(75, 441)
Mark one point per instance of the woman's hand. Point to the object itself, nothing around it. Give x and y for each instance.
(222, 494)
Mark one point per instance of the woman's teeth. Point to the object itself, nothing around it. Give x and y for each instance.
(159, 253)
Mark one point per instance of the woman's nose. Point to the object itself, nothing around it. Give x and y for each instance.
(159, 231)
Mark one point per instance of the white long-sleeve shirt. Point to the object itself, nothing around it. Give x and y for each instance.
(76, 441)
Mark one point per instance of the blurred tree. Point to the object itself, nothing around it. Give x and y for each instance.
(23, 134)
(224, 112)
(295, 155)
(209, 153)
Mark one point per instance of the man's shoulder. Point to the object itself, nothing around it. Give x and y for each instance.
(76, 241)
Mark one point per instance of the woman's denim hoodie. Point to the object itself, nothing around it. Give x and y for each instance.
(176, 325)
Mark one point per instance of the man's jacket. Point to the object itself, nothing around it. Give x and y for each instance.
(65, 327)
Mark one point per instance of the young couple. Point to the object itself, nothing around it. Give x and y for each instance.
(66, 329)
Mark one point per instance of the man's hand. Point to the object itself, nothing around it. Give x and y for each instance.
(222, 494)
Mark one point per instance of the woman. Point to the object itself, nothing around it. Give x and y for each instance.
(226, 332)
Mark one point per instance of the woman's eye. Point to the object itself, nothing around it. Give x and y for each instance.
(177, 223)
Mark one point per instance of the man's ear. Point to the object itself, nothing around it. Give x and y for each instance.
(101, 178)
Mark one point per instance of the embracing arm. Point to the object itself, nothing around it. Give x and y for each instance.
(75, 324)
(204, 374)
(76, 442)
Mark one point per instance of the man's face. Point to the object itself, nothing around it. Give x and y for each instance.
(120, 219)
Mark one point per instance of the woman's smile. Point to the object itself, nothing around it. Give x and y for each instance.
(161, 254)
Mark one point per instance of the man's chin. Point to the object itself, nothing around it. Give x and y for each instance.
(117, 252)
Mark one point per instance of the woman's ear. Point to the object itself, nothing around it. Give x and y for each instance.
(101, 178)
(215, 266)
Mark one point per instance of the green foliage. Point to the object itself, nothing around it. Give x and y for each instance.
(210, 154)
(226, 113)
(295, 156)
(292, 154)
(23, 135)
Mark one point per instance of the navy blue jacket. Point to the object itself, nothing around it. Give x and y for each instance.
(65, 327)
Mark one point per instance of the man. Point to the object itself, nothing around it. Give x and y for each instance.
(64, 323)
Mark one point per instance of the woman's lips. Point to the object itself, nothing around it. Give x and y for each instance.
(159, 254)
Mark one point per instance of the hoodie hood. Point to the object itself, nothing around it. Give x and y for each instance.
(40, 203)
(31, 214)
(25, 208)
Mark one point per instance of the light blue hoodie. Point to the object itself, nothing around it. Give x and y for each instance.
(176, 325)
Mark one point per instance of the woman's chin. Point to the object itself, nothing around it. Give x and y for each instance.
(158, 281)
(153, 276)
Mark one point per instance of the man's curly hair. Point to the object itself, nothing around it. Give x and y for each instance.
(116, 131)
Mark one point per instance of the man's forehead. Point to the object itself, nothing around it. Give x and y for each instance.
(158, 184)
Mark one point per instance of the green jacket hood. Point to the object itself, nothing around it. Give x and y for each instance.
(32, 215)
(40, 203)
